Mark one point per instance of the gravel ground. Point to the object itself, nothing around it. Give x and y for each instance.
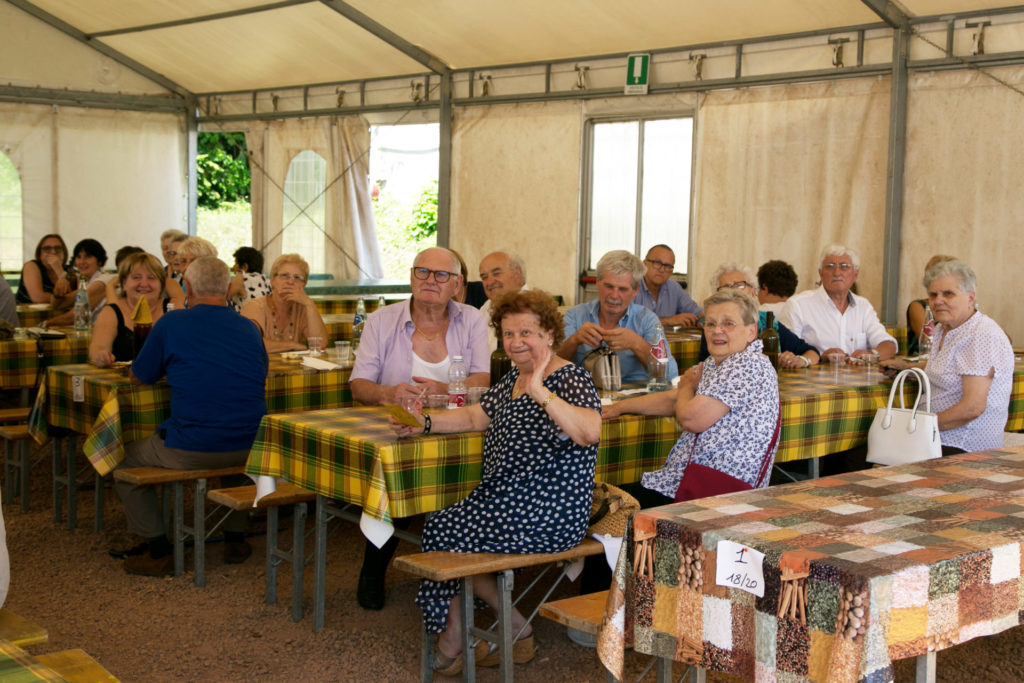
(148, 629)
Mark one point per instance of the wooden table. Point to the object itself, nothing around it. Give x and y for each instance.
(110, 410)
(860, 569)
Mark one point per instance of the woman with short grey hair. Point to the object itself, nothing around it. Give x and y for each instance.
(970, 367)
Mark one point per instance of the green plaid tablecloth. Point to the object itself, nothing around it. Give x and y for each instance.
(328, 304)
(29, 315)
(21, 360)
(684, 347)
(113, 411)
(339, 326)
(352, 455)
(18, 666)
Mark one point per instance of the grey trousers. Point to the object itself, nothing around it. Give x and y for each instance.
(141, 506)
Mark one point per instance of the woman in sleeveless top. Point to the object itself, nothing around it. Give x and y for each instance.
(45, 276)
(139, 275)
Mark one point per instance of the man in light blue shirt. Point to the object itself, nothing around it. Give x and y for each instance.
(612, 320)
(663, 295)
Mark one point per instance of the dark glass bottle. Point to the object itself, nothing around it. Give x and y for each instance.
(500, 364)
(770, 340)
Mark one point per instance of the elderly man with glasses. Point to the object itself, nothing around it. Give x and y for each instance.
(832, 318)
(663, 295)
(405, 351)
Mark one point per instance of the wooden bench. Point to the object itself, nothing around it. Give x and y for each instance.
(241, 498)
(16, 468)
(586, 613)
(75, 666)
(152, 476)
(447, 566)
(19, 631)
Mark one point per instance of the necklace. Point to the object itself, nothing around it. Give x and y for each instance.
(426, 336)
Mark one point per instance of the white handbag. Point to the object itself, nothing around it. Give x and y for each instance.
(603, 365)
(904, 435)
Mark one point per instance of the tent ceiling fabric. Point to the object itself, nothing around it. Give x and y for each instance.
(309, 43)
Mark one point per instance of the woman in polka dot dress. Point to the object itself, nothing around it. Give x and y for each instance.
(543, 423)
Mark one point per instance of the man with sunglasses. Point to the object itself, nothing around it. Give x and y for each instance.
(832, 318)
(663, 295)
(405, 351)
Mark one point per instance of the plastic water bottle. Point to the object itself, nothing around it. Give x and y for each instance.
(924, 344)
(357, 323)
(457, 375)
(657, 364)
(83, 312)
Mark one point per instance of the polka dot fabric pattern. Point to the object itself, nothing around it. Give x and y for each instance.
(535, 492)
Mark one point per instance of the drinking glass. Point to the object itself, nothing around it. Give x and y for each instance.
(343, 350)
(316, 345)
(870, 361)
(836, 359)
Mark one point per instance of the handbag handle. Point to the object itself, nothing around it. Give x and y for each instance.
(924, 387)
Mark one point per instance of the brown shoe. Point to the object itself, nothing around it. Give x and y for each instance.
(523, 650)
(145, 565)
(236, 553)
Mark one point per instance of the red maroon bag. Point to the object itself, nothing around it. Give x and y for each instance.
(701, 481)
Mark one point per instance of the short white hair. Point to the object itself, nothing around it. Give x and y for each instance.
(748, 274)
(837, 249)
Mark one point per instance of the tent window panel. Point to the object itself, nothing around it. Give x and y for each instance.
(10, 216)
(665, 216)
(643, 163)
(305, 209)
(613, 188)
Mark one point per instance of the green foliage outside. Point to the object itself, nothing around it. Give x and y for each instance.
(229, 227)
(223, 169)
(10, 216)
(397, 245)
(424, 213)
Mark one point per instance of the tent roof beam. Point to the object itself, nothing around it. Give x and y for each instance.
(117, 56)
(388, 36)
(200, 19)
(889, 12)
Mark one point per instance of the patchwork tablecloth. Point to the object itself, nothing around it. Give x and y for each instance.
(860, 569)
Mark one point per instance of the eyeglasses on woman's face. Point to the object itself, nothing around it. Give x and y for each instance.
(52, 249)
(440, 276)
(293, 277)
(740, 285)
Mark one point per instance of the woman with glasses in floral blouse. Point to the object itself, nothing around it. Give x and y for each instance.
(287, 316)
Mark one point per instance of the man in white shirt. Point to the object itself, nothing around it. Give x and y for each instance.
(832, 318)
(500, 273)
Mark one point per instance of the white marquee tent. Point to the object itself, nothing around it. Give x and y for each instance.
(894, 127)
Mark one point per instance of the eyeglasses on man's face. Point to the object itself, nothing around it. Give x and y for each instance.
(660, 265)
(832, 265)
(440, 276)
(741, 284)
(291, 276)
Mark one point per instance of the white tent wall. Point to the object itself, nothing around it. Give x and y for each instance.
(965, 136)
(47, 58)
(783, 171)
(113, 175)
(516, 186)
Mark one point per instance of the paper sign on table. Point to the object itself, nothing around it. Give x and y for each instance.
(741, 567)
(78, 388)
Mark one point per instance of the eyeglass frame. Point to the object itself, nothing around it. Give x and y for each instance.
(51, 249)
(739, 284)
(842, 266)
(292, 277)
(660, 265)
(447, 275)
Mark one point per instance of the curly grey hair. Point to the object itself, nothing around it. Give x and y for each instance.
(956, 268)
(748, 274)
(621, 262)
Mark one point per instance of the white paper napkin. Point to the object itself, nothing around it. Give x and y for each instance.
(377, 531)
(318, 364)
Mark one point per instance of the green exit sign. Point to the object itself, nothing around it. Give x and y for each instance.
(637, 73)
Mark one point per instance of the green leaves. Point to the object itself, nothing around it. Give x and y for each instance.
(223, 169)
(424, 213)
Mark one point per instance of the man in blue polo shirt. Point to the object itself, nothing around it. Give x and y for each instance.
(612, 320)
(216, 365)
(663, 295)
